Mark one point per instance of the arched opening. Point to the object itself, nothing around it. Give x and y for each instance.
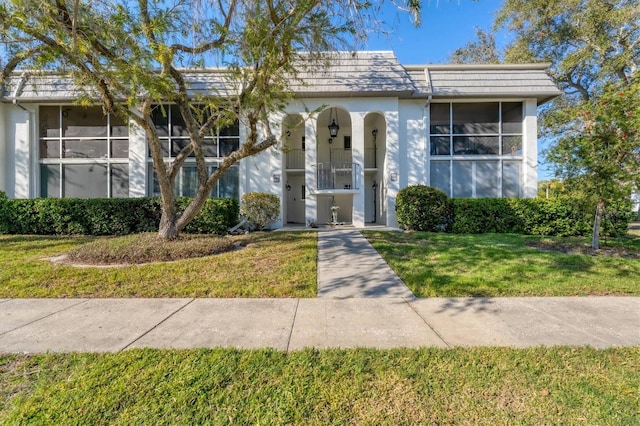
(334, 168)
(375, 138)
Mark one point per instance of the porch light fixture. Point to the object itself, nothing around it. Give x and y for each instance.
(276, 178)
(374, 133)
(333, 127)
(393, 177)
(288, 187)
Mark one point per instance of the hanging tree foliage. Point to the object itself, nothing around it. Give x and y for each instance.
(594, 49)
(130, 56)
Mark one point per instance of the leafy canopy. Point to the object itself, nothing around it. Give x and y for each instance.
(130, 56)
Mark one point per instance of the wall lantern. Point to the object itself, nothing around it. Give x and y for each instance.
(333, 127)
(276, 178)
(374, 133)
(288, 187)
(393, 177)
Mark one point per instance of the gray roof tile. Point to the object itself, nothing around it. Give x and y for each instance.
(345, 74)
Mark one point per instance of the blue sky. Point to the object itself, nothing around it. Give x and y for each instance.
(446, 25)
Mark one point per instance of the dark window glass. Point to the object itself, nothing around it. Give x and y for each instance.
(512, 117)
(119, 148)
(119, 180)
(476, 145)
(160, 118)
(439, 119)
(440, 145)
(512, 145)
(49, 122)
(228, 145)
(49, 148)
(347, 142)
(78, 122)
(50, 180)
(475, 118)
(178, 126)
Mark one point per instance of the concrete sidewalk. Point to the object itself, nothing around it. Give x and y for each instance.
(106, 325)
(361, 303)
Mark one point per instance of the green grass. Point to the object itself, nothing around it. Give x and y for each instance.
(273, 264)
(480, 386)
(491, 265)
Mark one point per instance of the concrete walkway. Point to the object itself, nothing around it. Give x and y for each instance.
(361, 303)
(348, 266)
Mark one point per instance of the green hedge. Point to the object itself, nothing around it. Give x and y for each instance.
(99, 216)
(423, 208)
(535, 216)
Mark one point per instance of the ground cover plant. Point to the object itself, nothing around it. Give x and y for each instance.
(257, 268)
(491, 265)
(467, 386)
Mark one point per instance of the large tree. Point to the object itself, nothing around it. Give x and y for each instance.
(130, 56)
(594, 50)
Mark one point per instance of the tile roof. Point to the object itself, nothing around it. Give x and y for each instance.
(342, 74)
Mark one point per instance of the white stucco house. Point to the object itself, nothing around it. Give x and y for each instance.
(470, 130)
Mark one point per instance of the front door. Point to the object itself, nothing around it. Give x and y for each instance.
(296, 194)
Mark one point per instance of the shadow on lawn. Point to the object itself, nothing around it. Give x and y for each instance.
(484, 265)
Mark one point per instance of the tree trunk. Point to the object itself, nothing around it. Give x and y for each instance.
(595, 240)
(168, 229)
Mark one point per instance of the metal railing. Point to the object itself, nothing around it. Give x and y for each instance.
(337, 175)
(295, 159)
(370, 159)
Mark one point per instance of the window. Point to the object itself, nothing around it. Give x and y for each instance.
(476, 148)
(82, 153)
(480, 128)
(174, 137)
(347, 142)
(186, 183)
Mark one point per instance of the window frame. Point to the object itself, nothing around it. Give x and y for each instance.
(108, 160)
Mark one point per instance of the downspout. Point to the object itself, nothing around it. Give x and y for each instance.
(17, 91)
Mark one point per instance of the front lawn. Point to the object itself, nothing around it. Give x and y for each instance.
(492, 265)
(478, 386)
(273, 264)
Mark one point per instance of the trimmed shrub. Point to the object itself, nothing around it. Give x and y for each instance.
(216, 216)
(260, 209)
(101, 216)
(535, 216)
(423, 208)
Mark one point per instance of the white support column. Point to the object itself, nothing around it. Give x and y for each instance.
(530, 150)
(310, 153)
(357, 153)
(138, 170)
(20, 133)
(275, 160)
(392, 166)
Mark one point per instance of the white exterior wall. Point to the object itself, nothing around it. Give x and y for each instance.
(21, 149)
(138, 166)
(402, 142)
(413, 143)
